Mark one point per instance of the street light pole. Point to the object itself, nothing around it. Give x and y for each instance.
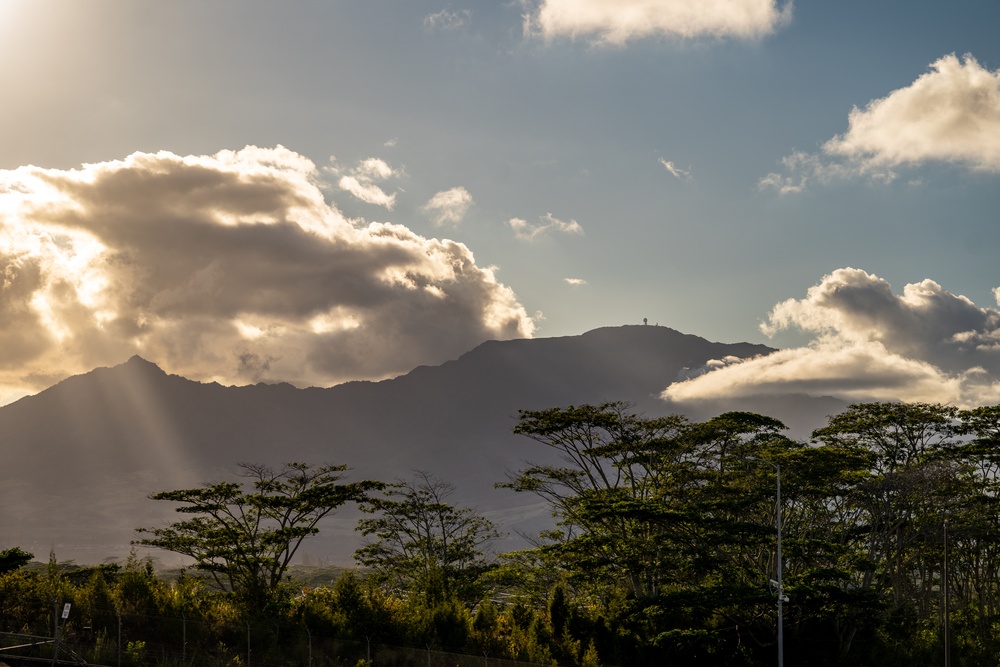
(947, 602)
(781, 589)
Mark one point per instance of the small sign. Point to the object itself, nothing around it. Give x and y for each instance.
(66, 610)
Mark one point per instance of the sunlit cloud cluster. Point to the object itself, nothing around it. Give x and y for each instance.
(950, 114)
(547, 224)
(615, 22)
(228, 267)
(869, 343)
(362, 182)
(449, 207)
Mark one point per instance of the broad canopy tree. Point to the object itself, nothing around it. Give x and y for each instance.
(665, 514)
(245, 538)
(652, 500)
(419, 541)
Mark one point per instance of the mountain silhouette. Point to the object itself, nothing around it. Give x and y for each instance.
(83, 455)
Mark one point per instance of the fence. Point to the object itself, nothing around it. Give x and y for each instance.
(188, 642)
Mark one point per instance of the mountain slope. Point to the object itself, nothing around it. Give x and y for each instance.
(84, 454)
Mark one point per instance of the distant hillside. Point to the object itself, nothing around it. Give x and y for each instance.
(83, 455)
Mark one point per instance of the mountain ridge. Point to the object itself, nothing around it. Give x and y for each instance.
(92, 447)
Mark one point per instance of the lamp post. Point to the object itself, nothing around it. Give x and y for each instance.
(947, 602)
(781, 590)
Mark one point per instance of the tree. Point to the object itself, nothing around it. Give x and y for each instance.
(900, 502)
(613, 466)
(663, 521)
(13, 559)
(420, 541)
(246, 539)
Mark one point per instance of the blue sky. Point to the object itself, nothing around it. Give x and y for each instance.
(430, 174)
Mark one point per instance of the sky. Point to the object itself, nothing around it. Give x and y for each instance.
(326, 190)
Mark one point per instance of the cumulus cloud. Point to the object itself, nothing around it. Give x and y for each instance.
(449, 206)
(448, 20)
(950, 114)
(869, 343)
(227, 267)
(615, 22)
(683, 175)
(361, 181)
(575, 282)
(547, 224)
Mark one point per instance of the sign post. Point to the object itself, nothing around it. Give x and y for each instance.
(65, 615)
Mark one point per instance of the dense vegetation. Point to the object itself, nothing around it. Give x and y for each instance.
(664, 553)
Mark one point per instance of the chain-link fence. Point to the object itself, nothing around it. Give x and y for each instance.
(182, 641)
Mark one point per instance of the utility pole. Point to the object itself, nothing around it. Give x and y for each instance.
(779, 582)
(947, 595)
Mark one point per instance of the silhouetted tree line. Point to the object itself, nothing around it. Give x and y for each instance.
(664, 553)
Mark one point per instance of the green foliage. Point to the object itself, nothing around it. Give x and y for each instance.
(24, 603)
(135, 653)
(363, 610)
(558, 612)
(488, 631)
(446, 623)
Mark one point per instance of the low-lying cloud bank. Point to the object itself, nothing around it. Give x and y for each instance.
(228, 267)
(869, 344)
(615, 22)
(950, 114)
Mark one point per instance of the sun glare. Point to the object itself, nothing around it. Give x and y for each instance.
(11, 393)
(47, 315)
(9, 10)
